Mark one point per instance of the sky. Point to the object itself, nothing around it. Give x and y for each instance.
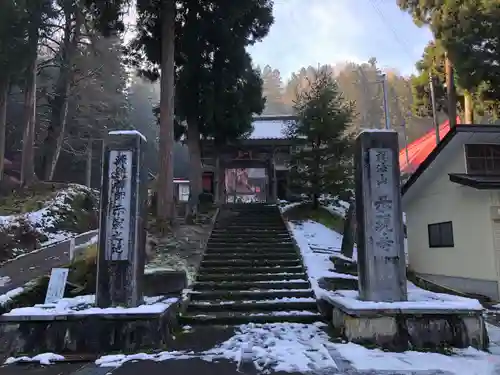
(312, 32)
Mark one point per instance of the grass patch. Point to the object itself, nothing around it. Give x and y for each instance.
(305, 211)
(16, 200)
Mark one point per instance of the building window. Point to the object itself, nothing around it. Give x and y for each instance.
(483, 159)
(441, 234)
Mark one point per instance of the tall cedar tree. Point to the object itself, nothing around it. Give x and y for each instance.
(12, 47)
(210, 42)
(323, 165)
(469, 32)
(431, 64)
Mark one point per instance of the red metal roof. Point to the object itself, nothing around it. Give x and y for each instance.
(419, 149)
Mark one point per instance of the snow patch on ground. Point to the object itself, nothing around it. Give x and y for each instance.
(463, 362)
(418, 299)
(83, 305)
(7, 297)
(318, 243)
(289, 347)
(45, 219)
(4, 280)
(306, 348)
(285, 206)
(43, 359)
(285, 347)
(148, 270)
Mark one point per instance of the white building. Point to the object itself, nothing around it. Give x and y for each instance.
(452, 205)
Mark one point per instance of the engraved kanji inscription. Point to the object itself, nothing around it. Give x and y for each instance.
(118, 214)
(383, 195)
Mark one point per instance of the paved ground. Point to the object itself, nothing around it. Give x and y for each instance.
(193, 366)
(36, 264)
(33, 265)
(198, 340)
(59, 369)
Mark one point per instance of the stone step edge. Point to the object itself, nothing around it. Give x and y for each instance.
(263, 304)
(251, 302)
(248, 277)
(224, 270)
(225, 263)
(250, 313)
(246, 250)
(244, 292)
(250, 255)
(257, 274)
(253, 282)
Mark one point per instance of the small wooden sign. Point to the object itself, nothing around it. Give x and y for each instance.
(57, 284)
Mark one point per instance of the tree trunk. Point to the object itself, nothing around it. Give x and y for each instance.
(4, 90)
(88, 164)
(450, 90)
(219, 183)
(468, 108)
(195, 176)
(29, 120)
(347, 248)
(315, 201)
(165, 193)
(59, 104)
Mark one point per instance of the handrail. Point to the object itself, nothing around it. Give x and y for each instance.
(55, 244)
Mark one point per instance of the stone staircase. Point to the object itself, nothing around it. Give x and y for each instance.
(251, 272)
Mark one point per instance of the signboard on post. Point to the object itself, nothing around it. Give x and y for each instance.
(57, 285)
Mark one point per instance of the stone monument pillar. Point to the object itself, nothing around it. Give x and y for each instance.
(380, 238)
(123, 216)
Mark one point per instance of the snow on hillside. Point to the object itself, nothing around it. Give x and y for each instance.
(43, 225)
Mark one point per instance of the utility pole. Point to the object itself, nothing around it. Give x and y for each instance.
(406, 143)
(383, 79)
(433, 105)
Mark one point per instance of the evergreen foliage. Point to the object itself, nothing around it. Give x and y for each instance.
(322, 164)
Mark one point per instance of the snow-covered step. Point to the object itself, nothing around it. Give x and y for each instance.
(250, 262)
(253, 306)
(267, 240)
(251, 317)
(239, 270)
(250, 244)
(251, 272)
(255, 220)
(253, 233)
(240, 295)
(261, 231)
(252, 237)
(253, 302)
(251, 276)
(258, 285)
(249, 255)
(256, 250)
(254, 226)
